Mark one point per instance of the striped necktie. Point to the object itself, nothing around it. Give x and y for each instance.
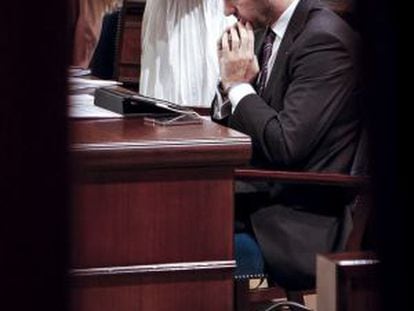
(264, 60)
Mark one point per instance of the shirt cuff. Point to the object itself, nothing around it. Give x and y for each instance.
(237, 92)
(221, 106)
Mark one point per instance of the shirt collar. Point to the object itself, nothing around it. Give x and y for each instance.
(279, 27)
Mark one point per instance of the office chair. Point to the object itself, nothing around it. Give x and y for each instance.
(247, 299)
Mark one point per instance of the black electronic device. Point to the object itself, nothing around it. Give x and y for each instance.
(126, 102)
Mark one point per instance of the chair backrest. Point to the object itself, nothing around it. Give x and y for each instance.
(361, 210)
(360, 162)
(360, 213)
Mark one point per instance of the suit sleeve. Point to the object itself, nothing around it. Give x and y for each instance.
(321, 74)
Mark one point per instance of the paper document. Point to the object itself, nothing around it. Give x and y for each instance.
(76, 83)
(82, 106)
(78, 72)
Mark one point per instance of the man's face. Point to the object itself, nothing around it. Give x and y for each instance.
(256, 12)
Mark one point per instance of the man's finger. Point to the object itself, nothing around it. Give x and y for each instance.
(225, 42)
(234, 41)
(250, 38)
(244, 38)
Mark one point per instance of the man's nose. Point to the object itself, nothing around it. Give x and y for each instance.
(229, 8)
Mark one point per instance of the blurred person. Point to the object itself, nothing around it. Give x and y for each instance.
(179, 61)
(87, 16)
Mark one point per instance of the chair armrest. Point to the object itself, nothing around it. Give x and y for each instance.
(301, 177)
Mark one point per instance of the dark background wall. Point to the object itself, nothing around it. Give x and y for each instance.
(34, 51)
(388, 70)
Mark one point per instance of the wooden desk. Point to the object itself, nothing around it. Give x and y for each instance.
(152, 215)
(128, 55)
(348, 282)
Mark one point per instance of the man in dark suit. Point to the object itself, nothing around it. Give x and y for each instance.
(292, 86)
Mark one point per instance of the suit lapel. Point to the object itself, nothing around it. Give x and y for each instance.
(277, 79)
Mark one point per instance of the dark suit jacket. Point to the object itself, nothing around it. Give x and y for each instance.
(306, 120)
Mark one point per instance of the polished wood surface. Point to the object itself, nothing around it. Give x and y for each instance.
(128, 56)
(114, 143)
(348, 282)
(316, 178)
(196, 290)
(152, 217)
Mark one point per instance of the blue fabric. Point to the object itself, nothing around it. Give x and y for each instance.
(249, 258)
